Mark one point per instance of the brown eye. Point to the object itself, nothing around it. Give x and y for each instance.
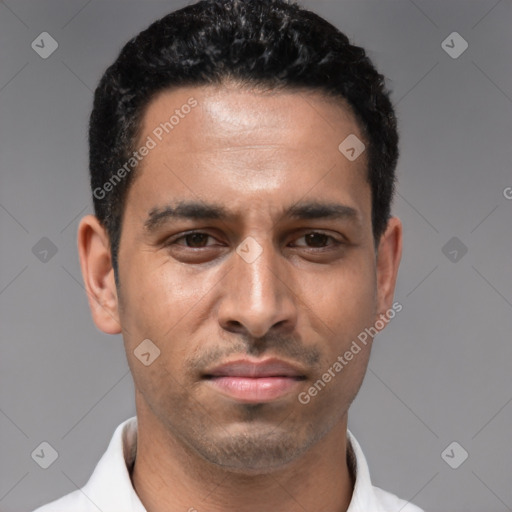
(316, 239)
(196, 239)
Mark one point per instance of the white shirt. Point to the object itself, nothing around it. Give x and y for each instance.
(110, 489)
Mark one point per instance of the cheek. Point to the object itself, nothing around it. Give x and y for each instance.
(152, 295)
(343, 306)
(164, 302)
(345, 299)
(158, 304)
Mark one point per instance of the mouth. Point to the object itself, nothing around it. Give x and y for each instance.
(249, 381)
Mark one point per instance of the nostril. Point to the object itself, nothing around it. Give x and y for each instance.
(233, 326)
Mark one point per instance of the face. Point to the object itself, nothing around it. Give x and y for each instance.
(247, 257)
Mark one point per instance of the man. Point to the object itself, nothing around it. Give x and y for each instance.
(242, 158)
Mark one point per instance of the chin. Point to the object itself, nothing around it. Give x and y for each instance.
(251, 452)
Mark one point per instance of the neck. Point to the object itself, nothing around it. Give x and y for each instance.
(171, 477)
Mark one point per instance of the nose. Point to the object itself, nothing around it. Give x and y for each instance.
(258, 295)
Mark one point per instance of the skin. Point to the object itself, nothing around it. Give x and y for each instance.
(304, 299)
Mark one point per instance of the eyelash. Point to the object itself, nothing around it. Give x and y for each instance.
(173, 241)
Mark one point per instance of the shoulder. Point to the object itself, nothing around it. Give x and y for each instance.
(391, 503)
(366, 496)
(109, 487)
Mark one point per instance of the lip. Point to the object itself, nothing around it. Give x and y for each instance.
(254, 381)
(255, 369)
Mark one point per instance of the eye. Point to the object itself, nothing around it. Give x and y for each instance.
(317, 240)
(194, 240)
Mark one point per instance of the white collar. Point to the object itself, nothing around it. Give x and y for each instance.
(110, 489)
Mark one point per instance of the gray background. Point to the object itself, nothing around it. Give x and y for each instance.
(439, 373)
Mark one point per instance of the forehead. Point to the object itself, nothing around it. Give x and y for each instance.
(240, 113)
(255, 145)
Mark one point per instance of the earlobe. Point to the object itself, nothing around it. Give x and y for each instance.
(388, 260)
(98, 274)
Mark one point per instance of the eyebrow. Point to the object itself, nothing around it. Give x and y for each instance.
(195, 210)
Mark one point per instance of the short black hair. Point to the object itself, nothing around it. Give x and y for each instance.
(271, 43)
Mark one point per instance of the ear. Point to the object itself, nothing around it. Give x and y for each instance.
(98, 274)
(389, 253)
